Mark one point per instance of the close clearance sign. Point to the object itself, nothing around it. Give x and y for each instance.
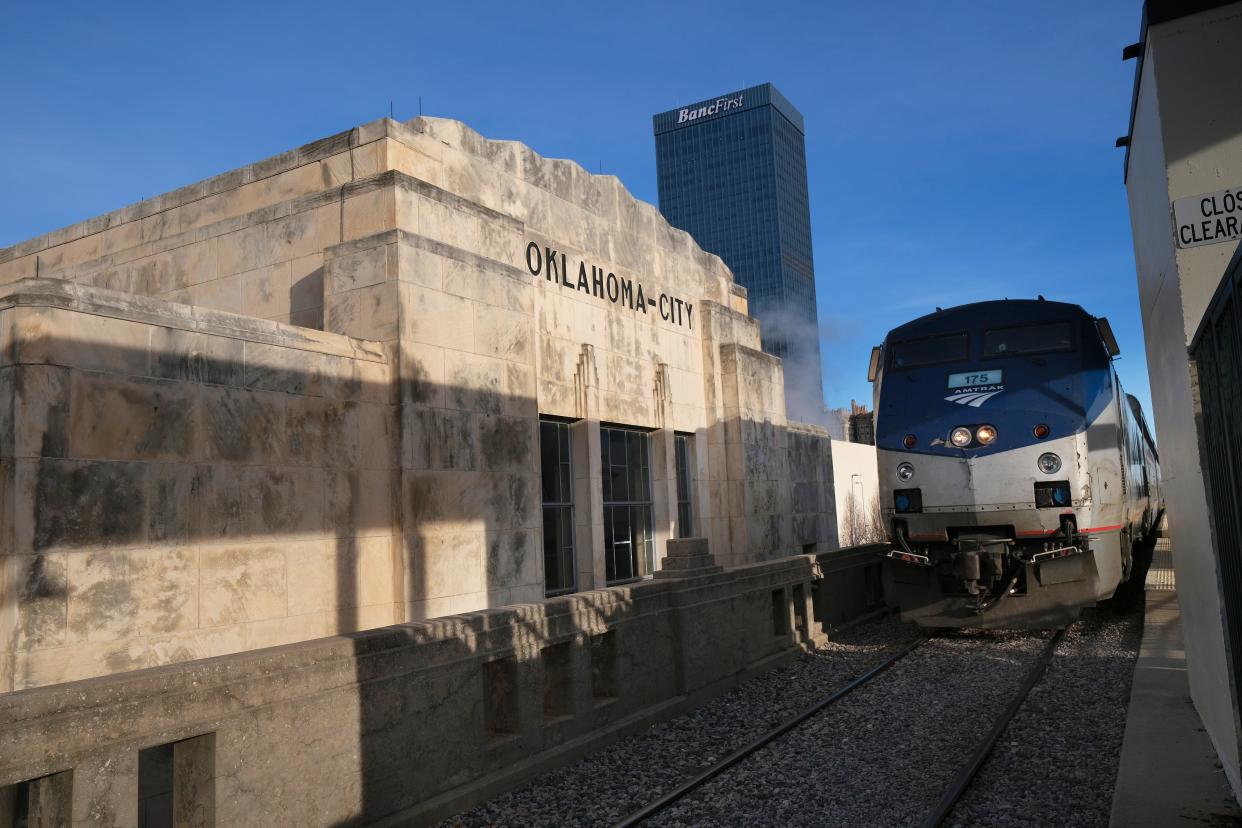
(1209, 218)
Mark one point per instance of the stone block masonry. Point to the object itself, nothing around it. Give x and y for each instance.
(181, 483)
(411, 723)
(401, 373)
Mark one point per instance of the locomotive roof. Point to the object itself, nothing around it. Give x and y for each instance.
(992, 314)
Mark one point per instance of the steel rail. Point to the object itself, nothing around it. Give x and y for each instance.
(654, 807)
(983, 749)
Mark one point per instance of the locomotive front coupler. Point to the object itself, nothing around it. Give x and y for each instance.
(1006, 588)
(989, 568)
(979, 562)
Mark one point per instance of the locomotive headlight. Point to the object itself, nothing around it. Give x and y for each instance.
(1049, 463)
(905, 471)
(986, 434)
(960, 437)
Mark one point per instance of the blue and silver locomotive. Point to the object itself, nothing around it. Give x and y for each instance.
(1018, 482)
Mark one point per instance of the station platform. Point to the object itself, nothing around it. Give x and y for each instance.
(1168, 774)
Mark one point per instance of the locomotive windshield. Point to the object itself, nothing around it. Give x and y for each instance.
(930, 351)
(1029, 339)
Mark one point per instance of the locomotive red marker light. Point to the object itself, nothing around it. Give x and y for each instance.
(910, 441)
(1040, 431)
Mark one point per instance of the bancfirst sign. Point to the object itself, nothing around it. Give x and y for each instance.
(693, 113)
(605, 285)
(730, 103)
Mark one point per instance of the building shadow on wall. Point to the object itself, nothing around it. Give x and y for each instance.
(467, 507)
(251, 464)
(288, 485)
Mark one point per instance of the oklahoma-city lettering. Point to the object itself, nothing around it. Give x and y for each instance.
(553, 265)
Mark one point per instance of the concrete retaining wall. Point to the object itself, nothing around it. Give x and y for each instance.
(410, 722)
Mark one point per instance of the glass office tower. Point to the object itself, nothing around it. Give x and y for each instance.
(732, 173)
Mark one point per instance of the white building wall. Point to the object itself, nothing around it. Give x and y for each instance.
(1187, 140)
(854, 477)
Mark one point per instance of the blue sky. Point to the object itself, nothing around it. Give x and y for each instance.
(957, 151)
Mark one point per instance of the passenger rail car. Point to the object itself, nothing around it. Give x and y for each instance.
(1018, 481)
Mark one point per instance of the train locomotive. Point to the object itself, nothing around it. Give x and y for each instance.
(1018, 481)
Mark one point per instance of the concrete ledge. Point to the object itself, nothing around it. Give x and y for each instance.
(259, 170)
(115, 304)
(414, 721)
(808, 428)
(421, 242)
(1169, 774)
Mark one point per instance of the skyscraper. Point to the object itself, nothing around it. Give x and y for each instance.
(732, 173)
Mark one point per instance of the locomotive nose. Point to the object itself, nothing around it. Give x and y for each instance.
(1024, 487)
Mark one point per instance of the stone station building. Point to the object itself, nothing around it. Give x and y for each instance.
(399, 373)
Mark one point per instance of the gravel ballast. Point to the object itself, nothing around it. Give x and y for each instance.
(604, 787)
(882, 755)
(1056, 763)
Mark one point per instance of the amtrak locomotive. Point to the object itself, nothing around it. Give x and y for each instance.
(1018, 482)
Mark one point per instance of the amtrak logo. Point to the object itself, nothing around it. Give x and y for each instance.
(975, 397)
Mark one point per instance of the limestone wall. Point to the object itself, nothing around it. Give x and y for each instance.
(482, 287)
(813, 481)
(179, 483)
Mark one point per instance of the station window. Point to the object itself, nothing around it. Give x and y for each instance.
(556, 468)
(629, 545)
(684, 445)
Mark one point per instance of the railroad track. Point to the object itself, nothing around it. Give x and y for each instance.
(951, 794)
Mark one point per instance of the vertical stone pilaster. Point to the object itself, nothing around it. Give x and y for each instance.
(8, 804)
(586, 383)
(588, 474)
(756, 450)
(51, 801)
(664, 490)
(663, 465)
(701, 512)
(105, 789)
(588, 504)
(361, 285)
(194, 782)
(711, 449)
